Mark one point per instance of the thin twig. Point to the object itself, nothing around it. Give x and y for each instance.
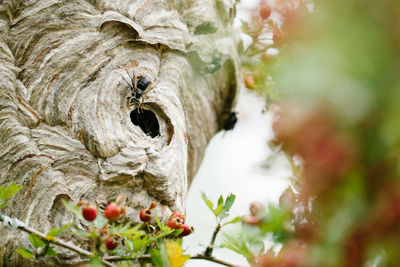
(52, 239)
(209, 249)
(196, 257)
(202, 257)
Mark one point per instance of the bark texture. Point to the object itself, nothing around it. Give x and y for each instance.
(66, 126)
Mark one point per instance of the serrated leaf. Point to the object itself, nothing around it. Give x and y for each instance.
(207, 27)
(55, 231)
(36, 241)
(234, 220)
(51, 252)
(229, 202)
(207, 201)
(27, 254)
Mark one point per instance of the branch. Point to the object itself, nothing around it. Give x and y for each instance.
(210, 247)
(196, 257)
(17, 224)
(202, 257)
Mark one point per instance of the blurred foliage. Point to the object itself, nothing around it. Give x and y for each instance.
(336, 98)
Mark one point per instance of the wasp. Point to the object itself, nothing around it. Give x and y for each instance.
(139, 86)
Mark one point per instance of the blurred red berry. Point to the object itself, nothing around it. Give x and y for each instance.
(256, 209)
(250, 219)
(89, 212)
(111, 244)
(265, 11)
(112, 211)
(249, 82)
(187, 230)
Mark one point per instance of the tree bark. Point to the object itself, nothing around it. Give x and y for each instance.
(67, 130)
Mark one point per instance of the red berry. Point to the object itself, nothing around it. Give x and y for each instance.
(89, 212)
(256, 209)
(145, 215)
(187, 230)
(112, 211)
(179, 215)
(265, 11)
(111, 244)
(174, 222)
(249, 81)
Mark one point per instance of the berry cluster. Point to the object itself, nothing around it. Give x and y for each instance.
(112, 212)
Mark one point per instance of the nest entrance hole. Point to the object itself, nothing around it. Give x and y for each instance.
(147, 121)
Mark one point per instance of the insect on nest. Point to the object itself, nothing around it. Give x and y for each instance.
(139, 86)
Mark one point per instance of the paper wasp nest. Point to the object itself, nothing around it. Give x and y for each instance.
(67, 129)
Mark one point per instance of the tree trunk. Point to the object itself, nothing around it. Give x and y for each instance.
(67, 128)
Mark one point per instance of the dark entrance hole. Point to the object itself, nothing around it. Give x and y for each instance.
(147, 121)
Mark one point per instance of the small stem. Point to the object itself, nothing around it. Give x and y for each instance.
(209, 249)
(45, 249)
(202, 257)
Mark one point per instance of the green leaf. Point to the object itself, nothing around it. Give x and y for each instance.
(55, 231)
(234, 220)
(27, 254)
(156, 258)
(220, 200)
(128, 243)
(51, 252)
(206, 28)
(3, 191)
(229, 202)
(8, 192)
(219, 209)
(4, 204)
(207, 201)
(36, 241)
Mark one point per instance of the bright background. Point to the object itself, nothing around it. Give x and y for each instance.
(233, 163)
